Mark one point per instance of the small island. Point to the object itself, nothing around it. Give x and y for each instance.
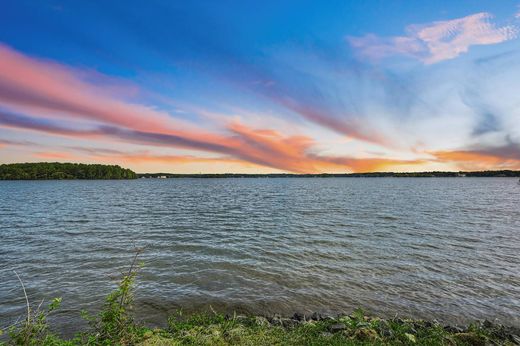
(61, 171)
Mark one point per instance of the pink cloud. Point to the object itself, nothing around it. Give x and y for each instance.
(437, 41)
(32, 84)
(54, 155)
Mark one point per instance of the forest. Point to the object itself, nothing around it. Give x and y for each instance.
(58, 171)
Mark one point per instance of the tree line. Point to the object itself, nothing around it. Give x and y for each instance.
(56, 170)
(501, 173)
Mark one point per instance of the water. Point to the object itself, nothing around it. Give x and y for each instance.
(445, 248)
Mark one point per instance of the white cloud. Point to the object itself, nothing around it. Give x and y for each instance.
(437, 41)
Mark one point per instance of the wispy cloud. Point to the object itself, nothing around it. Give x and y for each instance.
(263, 147)
(109, 155)
(59, 103)
(471, 160)
(51, 155)
(437, 41)
(5, 142)
(30, 84)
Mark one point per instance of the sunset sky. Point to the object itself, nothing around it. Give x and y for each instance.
(262, 86)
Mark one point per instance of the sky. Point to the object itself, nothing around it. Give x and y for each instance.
(262, 86)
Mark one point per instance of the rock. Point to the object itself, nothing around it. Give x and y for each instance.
(337, 327)
(261, 321)
(298, 316)
(289, 323)
(276, 320)
(316, 316)
(366, 334)
(453, 329)
(328, 318)
(487, 324)
(326, 334)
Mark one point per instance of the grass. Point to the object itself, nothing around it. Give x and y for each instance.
(114, 325)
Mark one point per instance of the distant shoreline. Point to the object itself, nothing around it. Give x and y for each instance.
(80, 171)
(435, 174)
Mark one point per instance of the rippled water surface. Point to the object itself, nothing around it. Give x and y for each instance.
(445, 248)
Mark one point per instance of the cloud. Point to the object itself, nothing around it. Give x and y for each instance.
(358, 165)
(6, 142)
(48, 89)
(54, 155)
(499, 157)
(264, 147)
(476, 161)
(329, 98)
(29, 84)
(437, 41)
(13, 120)
(146, 156)
(62, 102)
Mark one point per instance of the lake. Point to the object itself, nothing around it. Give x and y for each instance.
(443, 248)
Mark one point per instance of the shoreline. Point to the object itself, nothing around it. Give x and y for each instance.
(433, 174)
(115, 324)
(214, 328)
(82, 171)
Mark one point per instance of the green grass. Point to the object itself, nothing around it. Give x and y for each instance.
(114, 325)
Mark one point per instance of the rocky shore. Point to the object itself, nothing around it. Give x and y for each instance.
(114, 324)
(319, 329)
(358, 327)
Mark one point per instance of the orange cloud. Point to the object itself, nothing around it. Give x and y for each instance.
(294, 153)
(369, 164)
(478, 160)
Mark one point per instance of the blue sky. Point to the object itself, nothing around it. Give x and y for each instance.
(229, 86)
